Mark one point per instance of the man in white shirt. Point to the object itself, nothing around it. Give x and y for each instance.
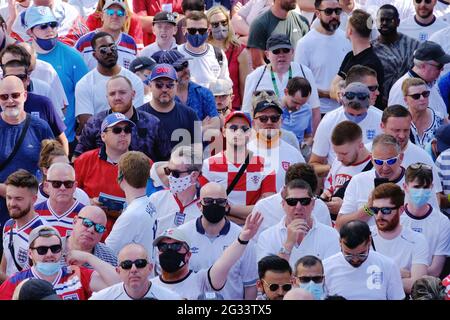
(322, 50)
(90, 91)
(424, 23)
(205, 64)
(135, 268)
(298, 234)
(429, 60)
(407, 248)
(423, 217)
(211, 234)
(358, 273)
(137, 222)
(164, 29)
(275, 76)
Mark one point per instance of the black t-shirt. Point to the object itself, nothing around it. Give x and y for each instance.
(369, 59)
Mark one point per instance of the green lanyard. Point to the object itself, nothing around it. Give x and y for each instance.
(274, 81)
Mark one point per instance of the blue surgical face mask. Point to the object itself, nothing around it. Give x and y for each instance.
(197, 39)
(47, 44)
(356, 119)
(48, 268)
(316, 289)
(419, 197)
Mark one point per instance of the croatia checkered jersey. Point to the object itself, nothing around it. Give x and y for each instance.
(71, 283)
(19, 241)
(126, 50)
(250, 186)
(64, 222)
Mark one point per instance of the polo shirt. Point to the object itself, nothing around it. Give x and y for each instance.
(298, 122)
(201, 100)
(206, 250)
(118, 292)
(321, 241)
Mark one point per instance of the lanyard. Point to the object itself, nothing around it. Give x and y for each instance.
(274, 81)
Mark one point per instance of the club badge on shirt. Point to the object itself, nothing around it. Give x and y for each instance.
(179, 218)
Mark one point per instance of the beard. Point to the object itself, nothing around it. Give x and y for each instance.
(18, 213)
(11, 112)
(288, 5)
(331, 26)
(108, 64)
(389, 225)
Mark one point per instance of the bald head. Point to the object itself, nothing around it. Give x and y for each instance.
(60, 167)
(93, 213)
(298, 294)
(11, 82)
(133, 251)
(213, 190)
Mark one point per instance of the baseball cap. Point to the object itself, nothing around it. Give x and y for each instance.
(142, 63)
(173, 57)
(221, 87)
(442, 137)
(38, 15)
(42, 231)
(109, 3)
(175, 234)
(264, 105)
(430, 50)
(37, 289)
(163, 70)
(165, 16)
(356, 88)
(277, 41)
(113, 119)
(238, 114)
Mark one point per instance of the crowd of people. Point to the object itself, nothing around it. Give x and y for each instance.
(226, 149)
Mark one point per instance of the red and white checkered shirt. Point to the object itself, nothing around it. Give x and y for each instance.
(251, 185)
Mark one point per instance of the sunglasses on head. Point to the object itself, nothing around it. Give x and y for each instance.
(353, 95)
(276, 286)
(292, 202)
(373, 88)
(265, 119)
(160, 85)
(219, 201)
(384, 210)
(105, 50)
(42, 250)
(416, 96)
(44, 26)
(280, 50)
(182, 66)
(176, 246)
(14, 95)
(99, 228)
(128, 264)
(419, 165)
(420, 1)
(174, 173)
(193, 31)
(57, 183)
(224, 23)
(329, 11)
(235, 127)
(315, 279)
(268, 92)
(389, 162)
(119, 12)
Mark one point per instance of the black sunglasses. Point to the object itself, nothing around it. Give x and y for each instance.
(161, 85)
(265, 119)
(224, 23)
(99, 228)
(222, 111)
(219, 201)
(292, 202)
(111, 48)
(329, 11)
(279, 50)
(182, 66)
(57, 184)
(44, 26)
(175, 173)
(193, 31)
(384, 210)
(128, 264)
(353, 95)
(315, 279)
(176, 246)
(118, 130)
(235, 127)
(42, 250)
(420, 1)
(276, 286)
(373, 88)
(416, 96)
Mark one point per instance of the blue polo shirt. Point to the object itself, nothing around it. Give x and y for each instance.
(201, 100)
(299, 122)
(42, 107)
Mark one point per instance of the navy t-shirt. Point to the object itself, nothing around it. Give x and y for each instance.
(176, 122)
(42, 107)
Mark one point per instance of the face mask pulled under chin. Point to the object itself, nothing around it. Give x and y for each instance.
(47, 44)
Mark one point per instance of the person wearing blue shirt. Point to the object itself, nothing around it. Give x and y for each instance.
(444, 89)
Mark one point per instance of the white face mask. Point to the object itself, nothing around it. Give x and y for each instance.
(178, 185)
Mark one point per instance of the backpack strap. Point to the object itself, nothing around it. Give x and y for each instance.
(219, 55)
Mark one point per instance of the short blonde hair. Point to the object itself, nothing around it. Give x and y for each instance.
(411, 82)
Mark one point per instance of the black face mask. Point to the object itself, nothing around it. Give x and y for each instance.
(171, 261)
(213, 213)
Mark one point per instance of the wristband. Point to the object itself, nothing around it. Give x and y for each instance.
(367, 210)
(448, 197)
(242, 241)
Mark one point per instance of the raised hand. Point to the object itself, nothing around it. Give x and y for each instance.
(251, 226)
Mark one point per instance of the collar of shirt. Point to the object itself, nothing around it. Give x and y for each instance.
(412, 74)
(223, 232)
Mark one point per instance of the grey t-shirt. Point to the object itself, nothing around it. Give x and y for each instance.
(296, 26)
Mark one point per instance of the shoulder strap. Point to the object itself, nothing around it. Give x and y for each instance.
(368, 166)
(341, 191)
(11, 246)
(239, 174)
(260, 78)
(303, 72)
(18, 143)
(219, 55)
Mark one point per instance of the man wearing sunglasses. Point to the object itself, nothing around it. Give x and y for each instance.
(113, 19)
(175, 251)
(88, 228)
(213, 224)
(71, 281)
(408, 248)
(134, 269)
(308, 274)
(358, 272)
(275, 278)
(267, 142)
(61, 207)
(429, 60)
(298, 233)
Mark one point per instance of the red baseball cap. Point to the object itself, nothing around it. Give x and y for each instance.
(238, 114)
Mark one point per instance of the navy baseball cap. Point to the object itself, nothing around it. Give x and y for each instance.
(442, 137)
(278, 41)
(163, 70)
(173, 57)
(165, 16)
(114, 118)
(430, 50)
(264, 105)
(142, 63)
